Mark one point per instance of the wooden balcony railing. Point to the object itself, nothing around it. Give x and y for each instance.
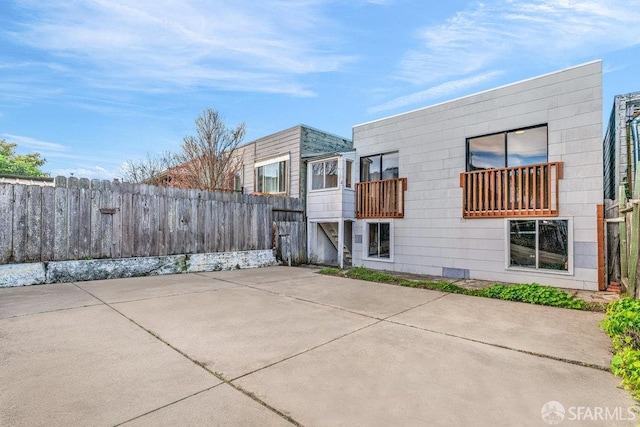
(530, 190)
(381, 199)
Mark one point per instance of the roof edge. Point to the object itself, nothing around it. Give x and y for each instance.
(481, 92)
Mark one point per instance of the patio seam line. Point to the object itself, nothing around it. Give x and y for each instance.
(172, 295)
(198, 363)
(340, 308)
(202, 274)
(377, 321)
(168, 404)
(504, 347)
(52, 311)
(386, 319)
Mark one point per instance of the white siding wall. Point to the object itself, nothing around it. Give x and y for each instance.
(333, 203)
(431, 144)
(278, 144)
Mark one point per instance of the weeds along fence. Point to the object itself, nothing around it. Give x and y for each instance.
(81, 219)
(625, 262)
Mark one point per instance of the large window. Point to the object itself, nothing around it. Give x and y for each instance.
(272, 177)
(527, 146)
(379, 167)
(539, 244)
(324, 174)
(379, 240)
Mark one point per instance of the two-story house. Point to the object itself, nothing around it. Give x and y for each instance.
(502, 185)
(274, 164)
(279, 165)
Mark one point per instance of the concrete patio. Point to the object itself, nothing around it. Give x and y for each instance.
(282, 346)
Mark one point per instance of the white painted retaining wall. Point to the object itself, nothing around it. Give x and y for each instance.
(39, 273)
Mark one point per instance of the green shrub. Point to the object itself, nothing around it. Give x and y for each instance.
(330, 271)
(622, 315)
(626, 365)
(531, 293)
(622, 324)
(534, 293)
(362, 273)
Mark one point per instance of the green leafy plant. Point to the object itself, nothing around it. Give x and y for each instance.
(622, 324)
(532, 293)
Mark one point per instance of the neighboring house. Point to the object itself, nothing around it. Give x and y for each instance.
(502, 185)
(43, 181)
(274, 164)
(331, 208)
(621, 143)
(277, 164)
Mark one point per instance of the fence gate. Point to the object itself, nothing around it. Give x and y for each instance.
(290, 232)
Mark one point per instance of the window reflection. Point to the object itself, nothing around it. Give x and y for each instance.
(527, 147)
(379, 167)
(486, 152)
(379, 240)
(324, 175)
(507, 149)
(540, 244)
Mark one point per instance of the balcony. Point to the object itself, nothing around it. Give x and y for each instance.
(381, 199)
(530, 190)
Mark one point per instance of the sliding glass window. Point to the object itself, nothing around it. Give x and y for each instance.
(520, 147)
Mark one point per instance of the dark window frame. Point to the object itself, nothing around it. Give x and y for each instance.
(380, 254)
(506, 147)
(380, 157)
(538, 246)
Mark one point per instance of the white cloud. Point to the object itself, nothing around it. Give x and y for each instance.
(506, 31)
(241, 45)
(32, 143)
(438, 91)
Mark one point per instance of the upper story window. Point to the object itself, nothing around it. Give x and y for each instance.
(271, 175)
(379, 167)
(520, 147)
(324, 174)
(347, 174)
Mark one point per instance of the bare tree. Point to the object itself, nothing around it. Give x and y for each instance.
(211, 159)
(151, 170)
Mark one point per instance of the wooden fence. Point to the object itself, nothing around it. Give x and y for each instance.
(82, 219)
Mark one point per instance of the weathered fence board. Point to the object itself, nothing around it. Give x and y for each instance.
(6, 222)
(83, 219)
(60, 224)
(48, 222)
(34, 222)
(291, 240)
(19, 229)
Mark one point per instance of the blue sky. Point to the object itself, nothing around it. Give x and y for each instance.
(92, 83)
